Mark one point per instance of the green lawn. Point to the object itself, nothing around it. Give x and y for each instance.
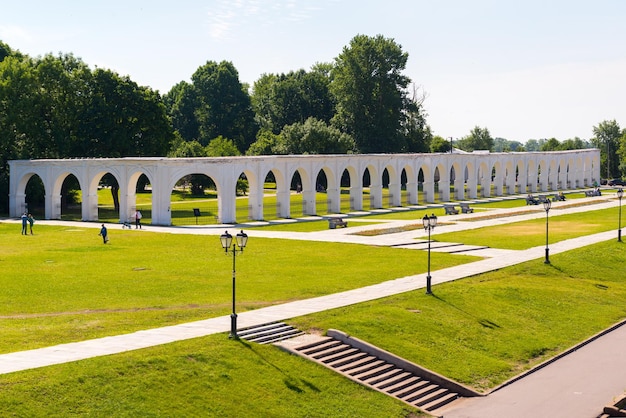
(529, 234)
(486, 329)
(63, 284)
(203, 377)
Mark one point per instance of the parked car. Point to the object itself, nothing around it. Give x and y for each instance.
(616, 182)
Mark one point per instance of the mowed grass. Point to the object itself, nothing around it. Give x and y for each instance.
(526, 234)
(480, 331)
(484, 330)
(63, 284)
(203, 377)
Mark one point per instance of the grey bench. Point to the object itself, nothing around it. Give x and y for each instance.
(450, 210)
(465, 208)
(337, 223)
(530, 200)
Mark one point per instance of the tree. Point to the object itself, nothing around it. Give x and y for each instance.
(551, 144)
(532, 145)
(607, 135)
(314, 137)
(221, 147)
(224, 107)
(478, 139)
(284, 99)
(439, 144)
(417, 133)
(622, 152)
(267, 143)
(181, 103)
(370, 91)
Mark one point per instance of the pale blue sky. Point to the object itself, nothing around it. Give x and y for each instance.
(523, 69)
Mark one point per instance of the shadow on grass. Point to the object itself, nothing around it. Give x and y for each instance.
(291, 382)
(482, 321)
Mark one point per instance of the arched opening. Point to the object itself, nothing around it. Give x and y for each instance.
(71, 199)
(404, 197)
(271, 207)
(108, 199)
(321, 196)
(143, 198)
(387, 197)
(35, 199)
(193, 201)
(346, 202)
(367, 195)
(297, 200)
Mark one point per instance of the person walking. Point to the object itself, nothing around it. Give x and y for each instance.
(137, 219)
(24, 223)
(104, 234)
(31, 221)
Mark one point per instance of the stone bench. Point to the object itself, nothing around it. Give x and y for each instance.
(337, 223)
(450, 210)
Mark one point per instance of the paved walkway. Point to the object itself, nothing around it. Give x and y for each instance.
(571, 379)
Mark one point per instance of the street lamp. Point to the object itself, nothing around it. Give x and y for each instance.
(546, 206)
(430, 222)
(241, 239)
(620, 194)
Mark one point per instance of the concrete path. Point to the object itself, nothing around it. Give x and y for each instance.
(540, 394)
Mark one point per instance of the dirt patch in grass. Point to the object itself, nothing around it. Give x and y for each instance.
(394, 230)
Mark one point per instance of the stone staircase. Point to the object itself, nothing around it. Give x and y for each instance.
(378, 374)
(380, 370)
(269, 333)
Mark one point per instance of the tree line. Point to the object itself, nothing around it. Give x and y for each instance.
(56, 106)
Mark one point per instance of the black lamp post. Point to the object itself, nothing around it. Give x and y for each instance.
(430, 222)
(620, 194)
(241, 239)
(546, 206)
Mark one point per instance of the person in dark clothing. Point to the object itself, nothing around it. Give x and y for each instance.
(103, 233)
(24, 224)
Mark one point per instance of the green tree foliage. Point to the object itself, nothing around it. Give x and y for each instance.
(532, 145)
(223, 106)
(267, 143)
(181, 102)
(187, 149)
(607, 138)
(285, 99)
(56, 107)
(221, 147)
(314, 137)
(439, 144)
(370, 91)
(415, 129)
(478, 139)
(621, 151)
(551, 144)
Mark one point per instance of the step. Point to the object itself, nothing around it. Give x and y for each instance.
(392, 374)
(358, 363)
(261, 328)
(439, 402)
(256, 335)
(349, 352)
(347, 360)
(418, 393)
(277, 337)
(375, 372)
(402, 384)
(323, 340)
(366, 367)
(321, 347)
(330, 351)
